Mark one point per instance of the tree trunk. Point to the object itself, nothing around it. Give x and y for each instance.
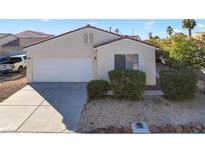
(189, 33)
(204, 87)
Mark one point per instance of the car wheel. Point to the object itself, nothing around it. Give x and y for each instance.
(20, 69)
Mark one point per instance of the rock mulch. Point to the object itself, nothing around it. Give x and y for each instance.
(165, 115)
(7, 88)
(109, 130)
(193, 127)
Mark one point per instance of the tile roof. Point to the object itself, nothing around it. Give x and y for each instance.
(32, 34)
(89, 26)
(29, 41)
(2, 35)
(15, 42)
(124, 37)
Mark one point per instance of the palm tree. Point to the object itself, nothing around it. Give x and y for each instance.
(189, 24)
(150, 35)
(117, 30)
(170, 30)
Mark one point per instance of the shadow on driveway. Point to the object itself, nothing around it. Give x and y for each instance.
(67, 98)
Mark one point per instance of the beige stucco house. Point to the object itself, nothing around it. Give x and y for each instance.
(198, 35)
(13, 44)
(9, 45)
(88, 53)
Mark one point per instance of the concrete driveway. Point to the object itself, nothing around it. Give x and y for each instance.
(44, 107)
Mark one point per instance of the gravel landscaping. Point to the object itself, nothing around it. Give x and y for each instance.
(7, 88)
(155, 110)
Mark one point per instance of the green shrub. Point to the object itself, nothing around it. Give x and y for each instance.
(97, 89)
(178, 85)
(127, 84)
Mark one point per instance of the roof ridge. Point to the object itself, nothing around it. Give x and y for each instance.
(8, 43)
(39, 33)
(89, 26)
(86, 26)
(8, 35)
(5, 33)
(124, 37)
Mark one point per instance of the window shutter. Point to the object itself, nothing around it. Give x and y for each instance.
(91, 38)
(85, 38)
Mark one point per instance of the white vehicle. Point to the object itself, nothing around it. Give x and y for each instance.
(15, 64)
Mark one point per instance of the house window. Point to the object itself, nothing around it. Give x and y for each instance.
(91, 38)
(88, 38)
(120, 62)
(132, 62)
(127, 61)
(85, 38)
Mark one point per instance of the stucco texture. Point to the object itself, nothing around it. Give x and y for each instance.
(147, 64)
(67, 46)
(71, 46)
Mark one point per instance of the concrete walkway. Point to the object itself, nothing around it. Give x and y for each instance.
(43, 107)
(153, 93)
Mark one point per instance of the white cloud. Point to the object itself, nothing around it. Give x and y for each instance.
(45, 20)
(155, 34)
(177, 30)
(149, 23)
(201, 26)
(92, 23)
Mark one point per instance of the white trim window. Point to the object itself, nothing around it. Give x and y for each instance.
(127, 61)
(88, 38)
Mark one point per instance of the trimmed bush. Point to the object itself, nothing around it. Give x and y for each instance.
(178, 85)
(97, 89)
(127, 84)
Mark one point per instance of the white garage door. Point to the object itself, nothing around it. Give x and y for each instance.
(62, 70)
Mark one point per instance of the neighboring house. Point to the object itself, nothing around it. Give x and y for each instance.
(198, 35)
(88, 53)
(29, 37)
(5, 50)
(13, 44)
(134, 37)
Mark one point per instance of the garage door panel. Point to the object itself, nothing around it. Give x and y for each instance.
(62, 70)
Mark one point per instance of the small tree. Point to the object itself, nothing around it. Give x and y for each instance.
(150, 35)
(117, 31)
(170, 30)
(189, 24)
(187, 52)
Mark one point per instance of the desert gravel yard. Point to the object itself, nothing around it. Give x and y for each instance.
(7, 88)
(153, 110)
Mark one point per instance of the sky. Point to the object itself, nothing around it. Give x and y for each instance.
(126, 27)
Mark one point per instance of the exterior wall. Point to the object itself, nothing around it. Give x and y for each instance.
(147, 64)
(199, 35)
(67, 46)
(11, 50)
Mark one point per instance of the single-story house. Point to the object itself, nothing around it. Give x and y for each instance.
(13, 44)
(88, 53)
(8, 44)
(29, 37)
